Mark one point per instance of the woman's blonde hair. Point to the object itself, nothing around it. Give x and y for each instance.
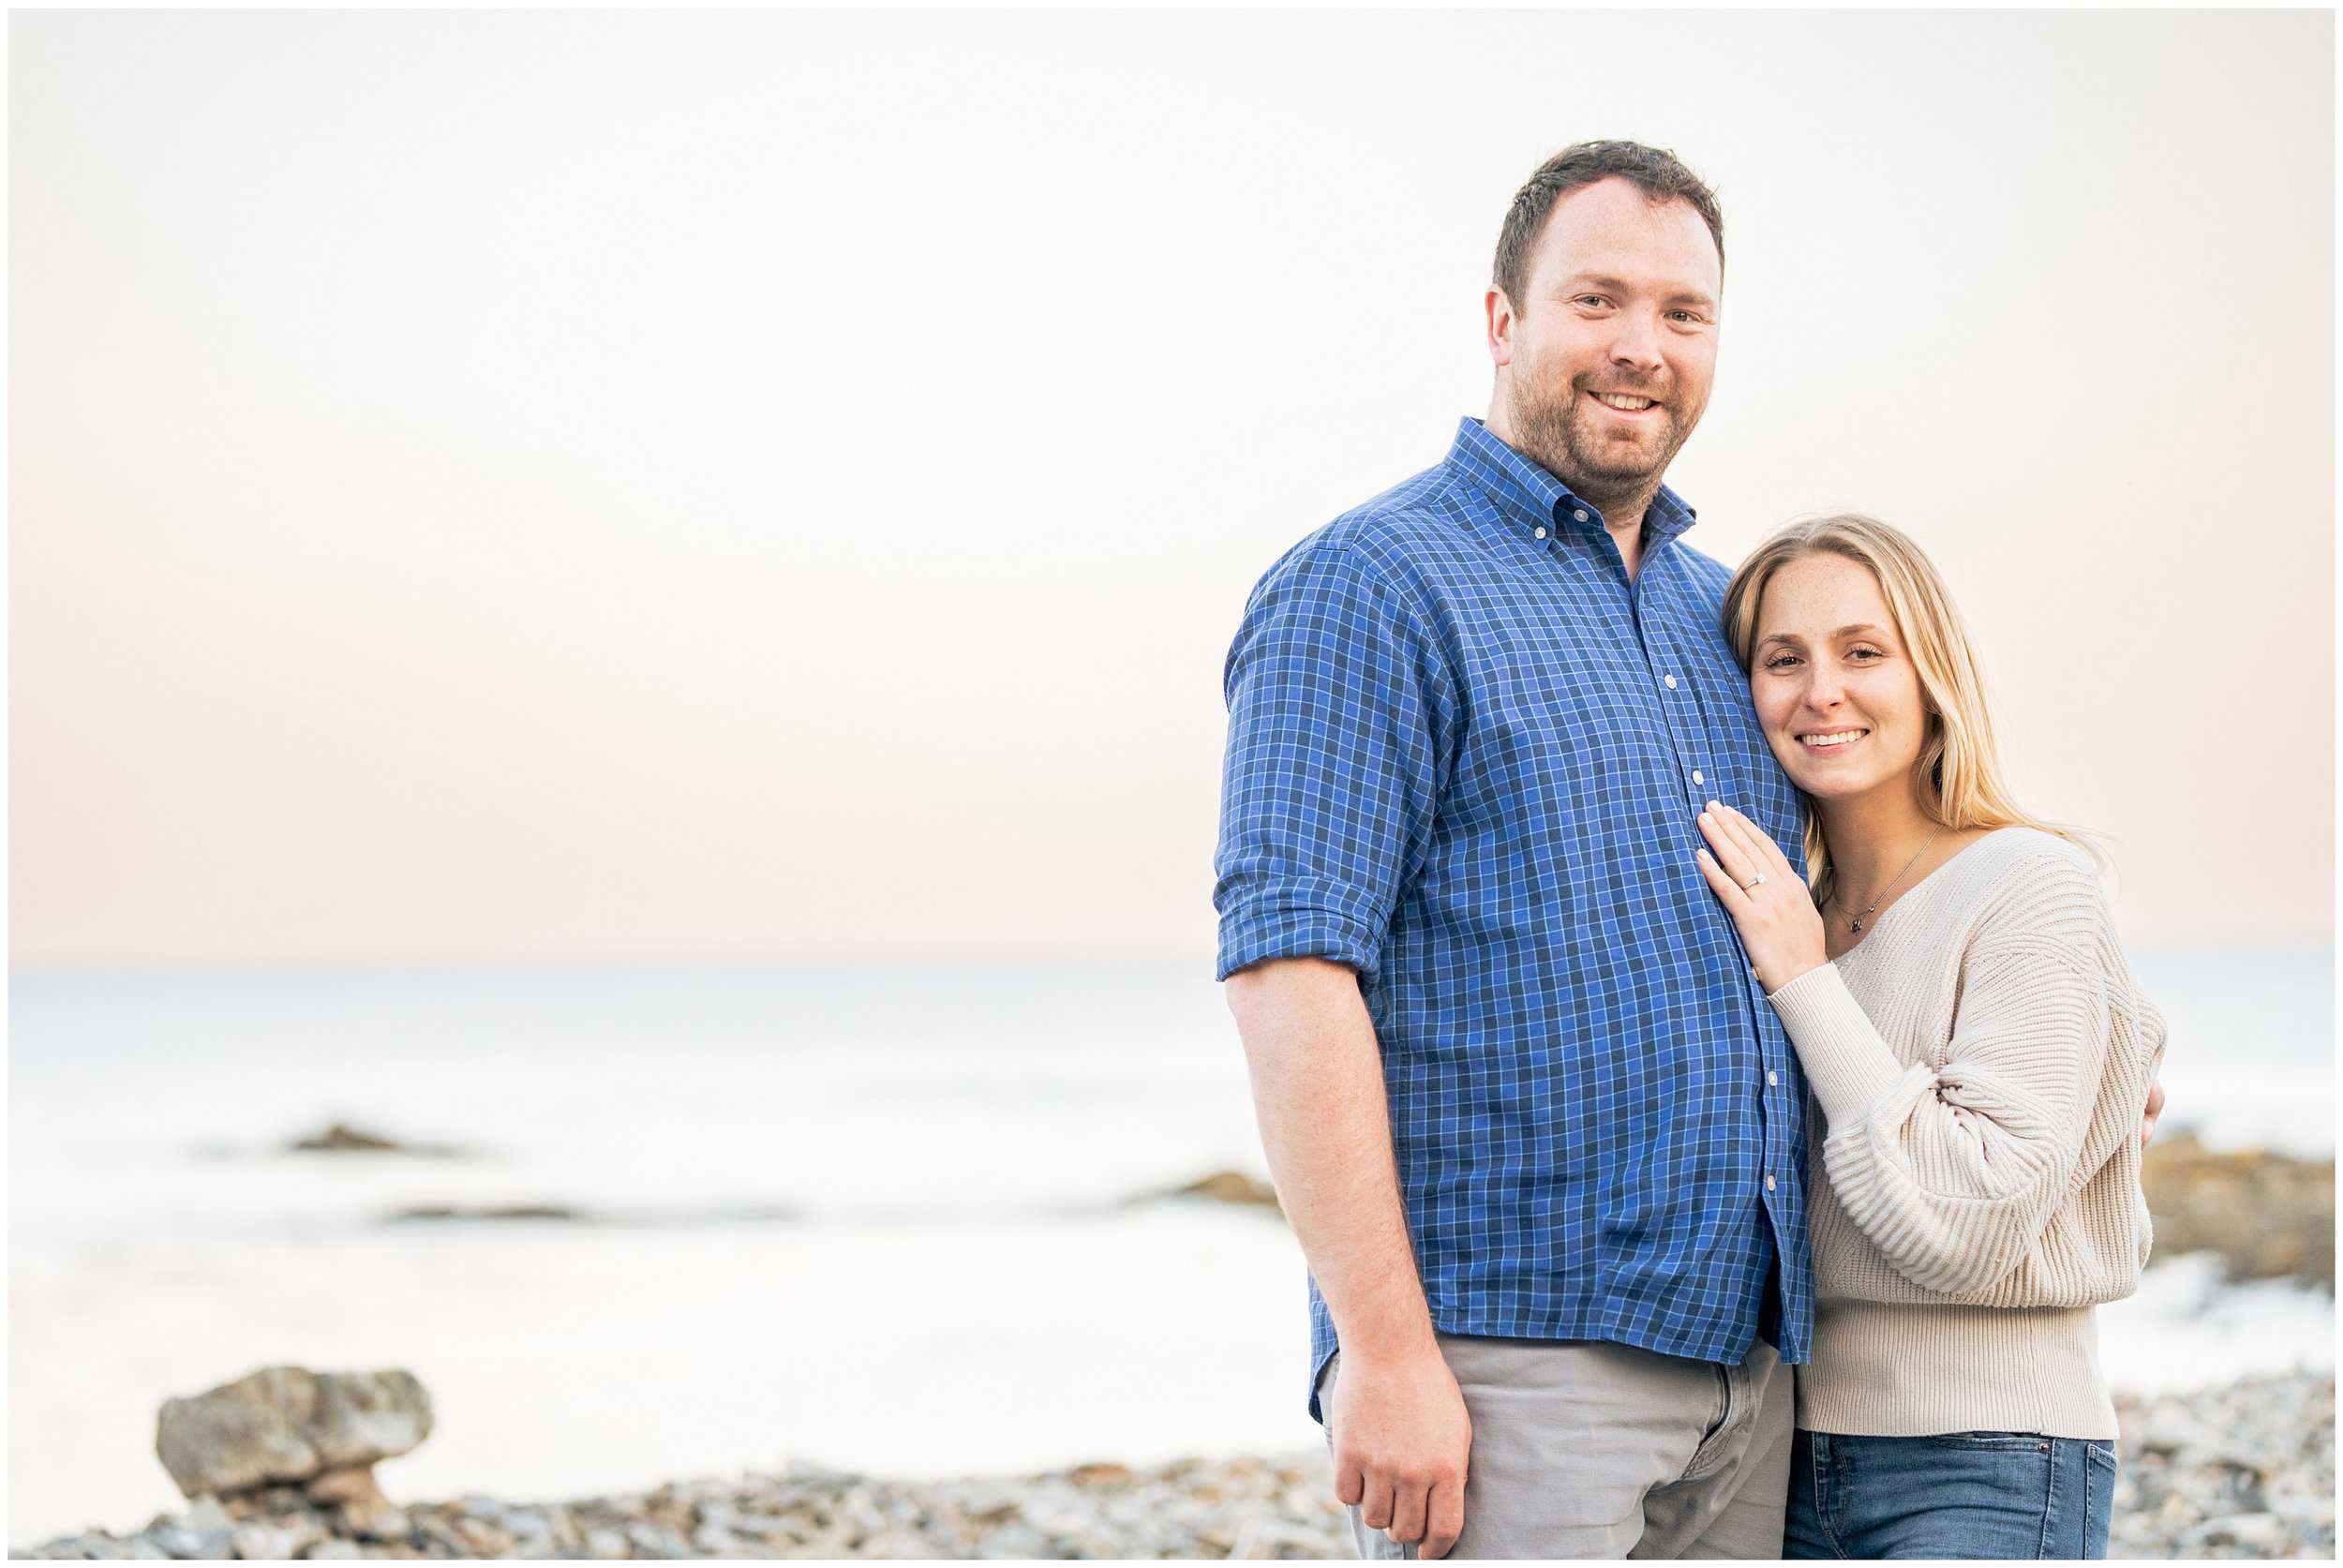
(1957, 778)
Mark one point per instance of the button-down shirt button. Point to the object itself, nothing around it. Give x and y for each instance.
(1773, 1080)
(1578, 517)
(1769, 1183)
(1696, 778)
(1670, 681)
(1540, 532)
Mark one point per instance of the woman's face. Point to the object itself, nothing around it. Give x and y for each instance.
(1837, 693)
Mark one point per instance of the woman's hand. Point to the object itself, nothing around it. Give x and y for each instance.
(1778, 921)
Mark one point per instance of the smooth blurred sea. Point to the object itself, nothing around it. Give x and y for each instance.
(958, 1285)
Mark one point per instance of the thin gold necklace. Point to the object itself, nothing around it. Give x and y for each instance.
(1857, 923)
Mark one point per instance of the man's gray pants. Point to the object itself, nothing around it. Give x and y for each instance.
(1586, 1449)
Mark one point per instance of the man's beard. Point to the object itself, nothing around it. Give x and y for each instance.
(1558, 437)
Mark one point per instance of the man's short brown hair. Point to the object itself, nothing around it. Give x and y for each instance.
(1652, 171)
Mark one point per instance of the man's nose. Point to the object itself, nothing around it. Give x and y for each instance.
(1637, 345)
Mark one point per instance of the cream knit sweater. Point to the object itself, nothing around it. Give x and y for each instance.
(1979, 1061)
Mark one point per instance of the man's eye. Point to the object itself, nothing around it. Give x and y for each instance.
(1587, 299)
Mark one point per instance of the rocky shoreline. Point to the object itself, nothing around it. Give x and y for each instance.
(2245, 1471)
(2242, 1471)
(2268, 1215)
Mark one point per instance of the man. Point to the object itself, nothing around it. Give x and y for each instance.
(1537, 1129)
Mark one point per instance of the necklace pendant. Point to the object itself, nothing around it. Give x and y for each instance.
(1855, 925)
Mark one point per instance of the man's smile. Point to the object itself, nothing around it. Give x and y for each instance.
(1625, 405)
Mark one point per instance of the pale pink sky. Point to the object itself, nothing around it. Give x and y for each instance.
(537, 485)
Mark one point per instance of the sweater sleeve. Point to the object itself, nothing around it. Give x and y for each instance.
(1954, 1171)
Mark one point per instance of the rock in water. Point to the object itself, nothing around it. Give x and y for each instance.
(2270, 1217)
(288, 1424)
(341, 1138)
(1230, 1187)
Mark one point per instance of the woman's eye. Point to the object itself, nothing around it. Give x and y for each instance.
(1865, 652)
(1782, 660)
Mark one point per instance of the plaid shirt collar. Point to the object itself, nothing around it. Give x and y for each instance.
(1530, 497)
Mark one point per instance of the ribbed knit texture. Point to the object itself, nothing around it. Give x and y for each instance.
(1979, 1061)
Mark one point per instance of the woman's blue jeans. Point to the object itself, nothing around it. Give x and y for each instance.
(1961, 1495)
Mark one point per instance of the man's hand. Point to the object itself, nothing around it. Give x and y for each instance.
(1401, 1441)
(2155, 1109)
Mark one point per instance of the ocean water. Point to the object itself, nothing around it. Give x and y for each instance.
(872, 1218)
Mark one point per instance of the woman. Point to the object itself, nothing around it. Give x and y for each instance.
(1977, 1054)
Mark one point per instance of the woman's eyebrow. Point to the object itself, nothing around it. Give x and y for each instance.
(1842, 631)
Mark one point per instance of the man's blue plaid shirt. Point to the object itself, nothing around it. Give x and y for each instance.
(1465, 755)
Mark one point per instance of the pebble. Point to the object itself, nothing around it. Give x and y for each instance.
(2242, 1471)
(192, 1543)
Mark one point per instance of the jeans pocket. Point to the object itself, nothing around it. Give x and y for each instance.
(1952, 1495)
(2103, 1455)
(1993, 1442)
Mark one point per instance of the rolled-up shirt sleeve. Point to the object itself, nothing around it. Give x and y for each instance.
(1340, 711)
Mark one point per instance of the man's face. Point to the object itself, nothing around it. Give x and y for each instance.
(1620, 308)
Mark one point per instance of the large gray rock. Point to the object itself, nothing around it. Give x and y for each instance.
(288, 1424)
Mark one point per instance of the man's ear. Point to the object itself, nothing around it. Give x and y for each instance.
(1501, 323)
